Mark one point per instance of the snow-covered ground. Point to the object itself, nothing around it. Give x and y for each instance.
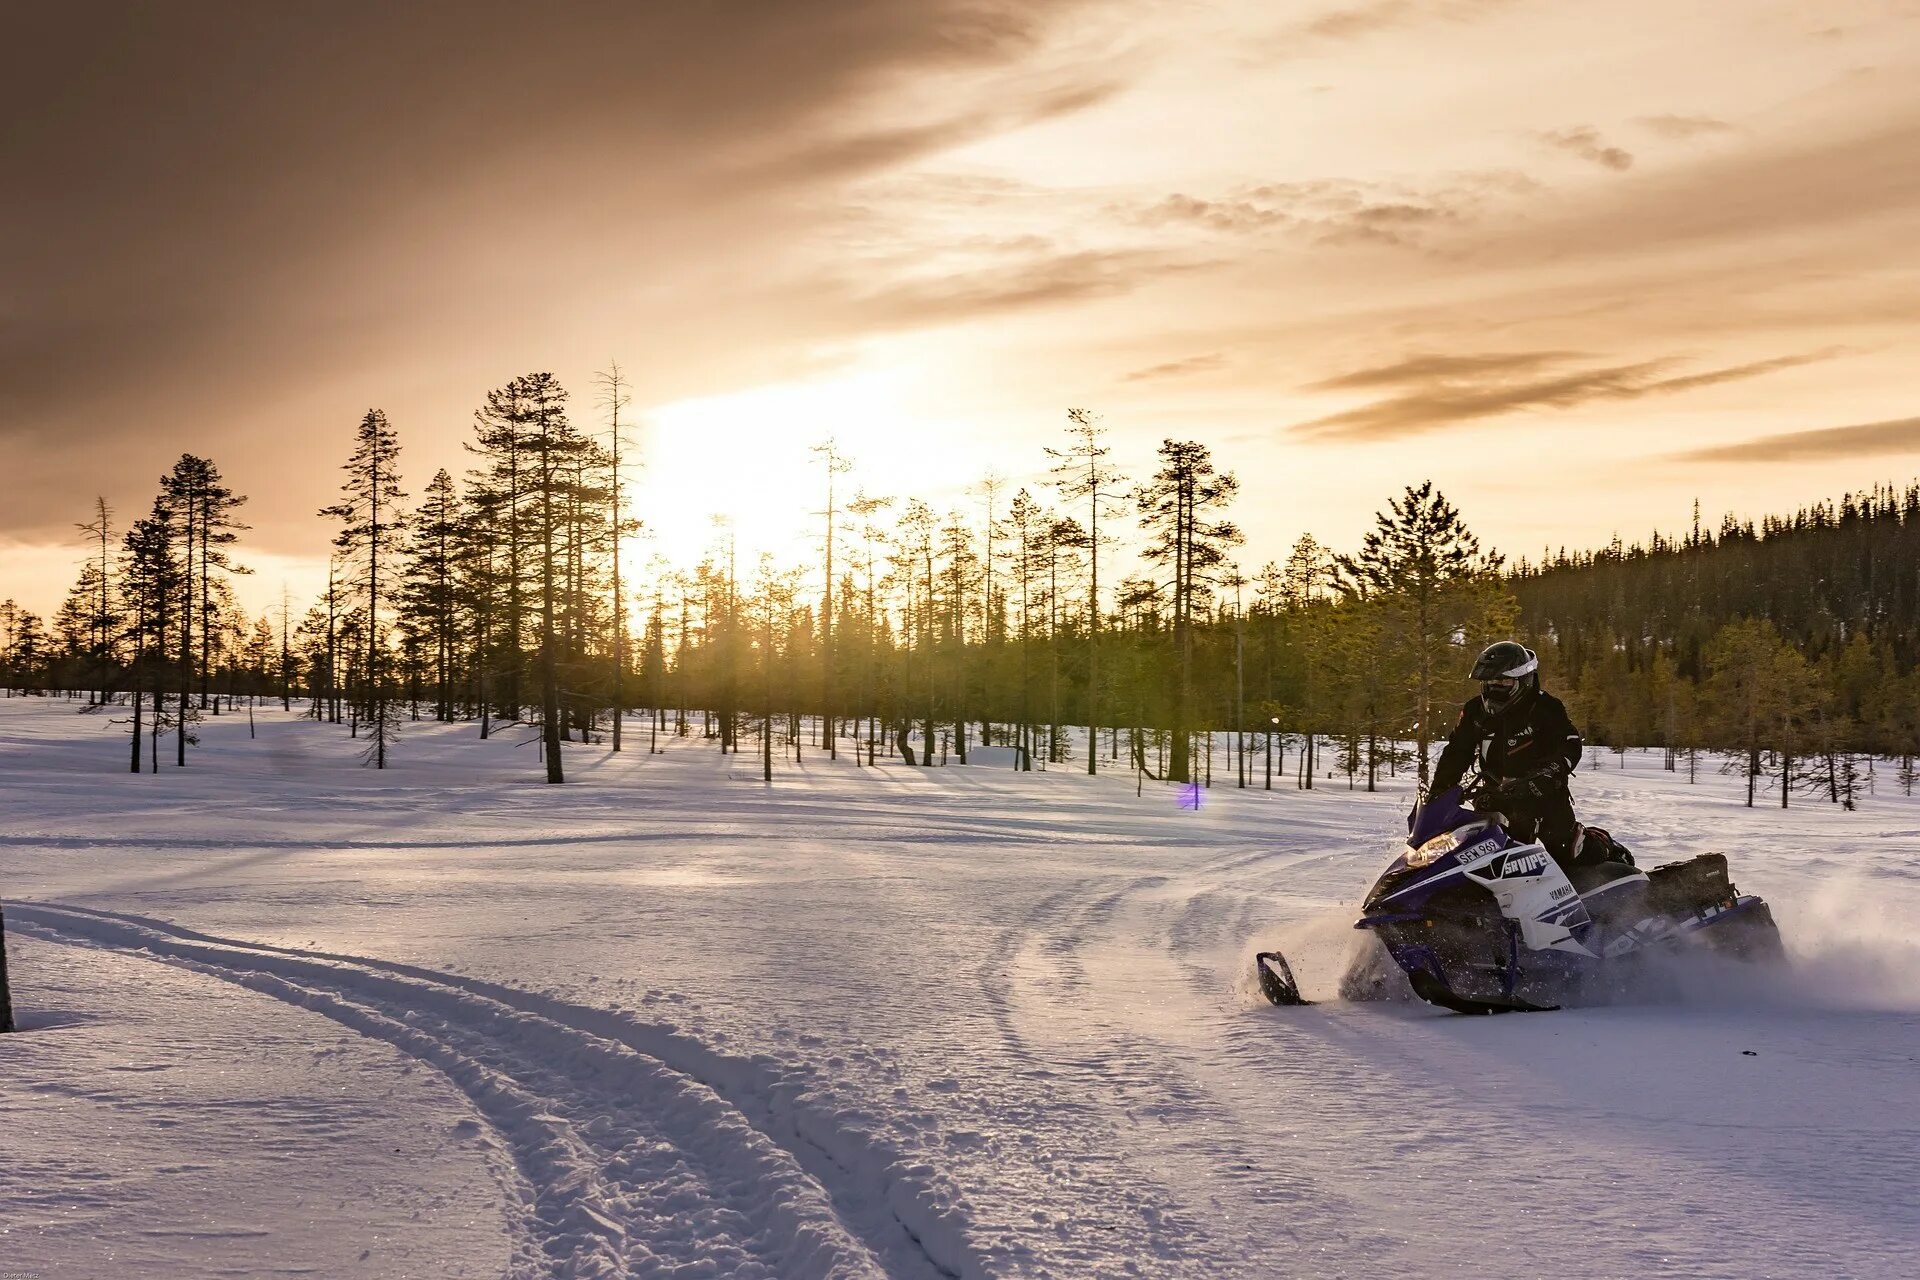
(284, 1015)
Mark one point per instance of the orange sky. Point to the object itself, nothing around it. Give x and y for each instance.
(1578, 263)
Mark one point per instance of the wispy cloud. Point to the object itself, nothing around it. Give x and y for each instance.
(1338, 211)
(1441, 391)
(1033, 280)
(1863, 440)
(1734, 373)
(877, 148)
(1352, 21)
(1432, 368)
(1683, 128)
(1232, 214)
(1177, 368)
(1585, 141)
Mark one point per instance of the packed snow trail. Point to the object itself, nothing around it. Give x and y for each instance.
(141, 1137)
(630, 1167)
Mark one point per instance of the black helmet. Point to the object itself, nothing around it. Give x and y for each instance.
(1506, 670)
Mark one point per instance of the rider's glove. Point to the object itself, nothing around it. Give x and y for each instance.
(1510, 789)
(1538, 786)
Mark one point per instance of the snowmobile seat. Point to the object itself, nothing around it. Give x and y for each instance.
(1596, 844)
(1595, 878)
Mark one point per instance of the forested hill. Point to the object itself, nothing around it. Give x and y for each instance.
(1823, 575)
(1838, 581)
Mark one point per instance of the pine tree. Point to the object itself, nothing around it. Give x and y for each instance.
(615, 397)
(103, 614)
(835, 465)
(1175, 507)
(150, 581)
(204, 506)
(914, 561)
(429, 596)
(373, 523)
(959, 581)
(1028, 523)
(1426, 569)
(1082, 474)
(1751, 692)
(551, 446)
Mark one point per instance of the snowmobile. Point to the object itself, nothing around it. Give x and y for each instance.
(1479, 922)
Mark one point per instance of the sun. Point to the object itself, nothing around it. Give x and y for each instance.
(747, 457)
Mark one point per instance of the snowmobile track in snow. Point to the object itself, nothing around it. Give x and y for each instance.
(639, 1150)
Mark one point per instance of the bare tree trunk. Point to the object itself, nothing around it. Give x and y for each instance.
(136, 718)
(6, 994)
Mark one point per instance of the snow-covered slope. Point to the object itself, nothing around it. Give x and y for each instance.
(882, 1021)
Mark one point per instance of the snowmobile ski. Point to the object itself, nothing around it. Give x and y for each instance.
(1277, 982)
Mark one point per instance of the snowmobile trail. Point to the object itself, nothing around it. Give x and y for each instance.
(638, 1150)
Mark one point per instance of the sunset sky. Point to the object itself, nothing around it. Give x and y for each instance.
(1579, 263)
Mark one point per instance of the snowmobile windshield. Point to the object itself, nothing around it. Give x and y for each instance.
(1439, 815)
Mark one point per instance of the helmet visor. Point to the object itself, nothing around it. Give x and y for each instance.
(1500, 690)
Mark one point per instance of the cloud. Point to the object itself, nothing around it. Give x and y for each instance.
(1337, 211)
(1868, 439)
(1683, 128)
(1177, 368)
(1219, 215)
(1441, 391)
(1734, 373)
(1353, 21)
(1025, 282)
(868, 150)
(1430, 368)
(1585, 141)
(324, 207)
(1850, 188)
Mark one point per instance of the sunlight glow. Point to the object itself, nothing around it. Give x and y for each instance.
(746, 456)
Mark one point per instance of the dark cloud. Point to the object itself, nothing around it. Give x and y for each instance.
(1177, 368)
(1442, 391)
(1585, 141)
(1865, 440)
(220, 214)
(1683, 128)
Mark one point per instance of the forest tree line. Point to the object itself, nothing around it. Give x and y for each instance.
(1109, 602)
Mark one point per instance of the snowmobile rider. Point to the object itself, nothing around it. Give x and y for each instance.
(1525, 746)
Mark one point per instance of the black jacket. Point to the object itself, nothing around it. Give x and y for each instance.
(1532, 739)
